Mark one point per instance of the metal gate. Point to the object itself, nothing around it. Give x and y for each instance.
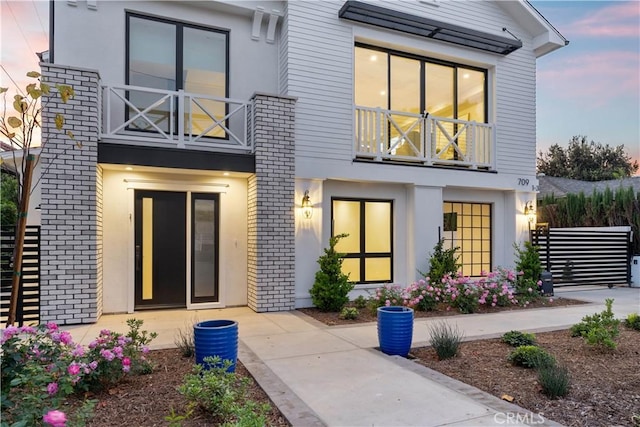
(28, 310)
(586, 255)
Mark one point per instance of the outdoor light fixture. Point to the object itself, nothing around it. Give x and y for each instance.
(307, 207)
(530, 212)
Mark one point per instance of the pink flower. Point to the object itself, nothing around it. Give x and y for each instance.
(52, 326)
(73, 369)
(55, 418)
(52, 388)
(93, 365)
(78, 351)
(550, 299)
(107, 354)
(145, 349)
(66, 338)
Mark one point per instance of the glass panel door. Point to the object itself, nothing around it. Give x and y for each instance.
(404, 130)
(439, 102)
(204, 248)
(152, 64)
(205, 72)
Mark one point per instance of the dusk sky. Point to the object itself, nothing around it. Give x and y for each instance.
(590, 87)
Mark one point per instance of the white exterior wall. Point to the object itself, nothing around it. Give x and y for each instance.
(118, 232)
(320, 74)
(96, 39)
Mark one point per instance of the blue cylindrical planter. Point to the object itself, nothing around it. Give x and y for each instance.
(216, 338)
(395, 330)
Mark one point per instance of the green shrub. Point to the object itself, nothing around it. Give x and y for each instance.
(517, 338)
(528, 261)
(599, 329)
(554, 381)
(360, 302)
(633, 321)
(442, 262)
(222, 393)
(331, 287)
(531, 356)
(445, 340)
(349, 313)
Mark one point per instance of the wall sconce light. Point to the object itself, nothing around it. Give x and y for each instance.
(307, 207)
(530, 212)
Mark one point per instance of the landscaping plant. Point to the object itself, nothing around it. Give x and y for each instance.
(531, 356)
(360, 302)
(331, 287)
(184, 340)
(41, 366)
(442, 262)
(554, 381)
(349, 313)
(600, 329)
(445, 339)
(633, 321)
(222, 394)
(517, 338)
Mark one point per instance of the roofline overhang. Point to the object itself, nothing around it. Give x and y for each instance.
(546, 38)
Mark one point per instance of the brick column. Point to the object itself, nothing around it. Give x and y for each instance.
(69, 285)
(271, 227)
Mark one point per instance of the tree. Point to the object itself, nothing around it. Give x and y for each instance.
(587, 161)
(8, 198)
(18, 128)
(331, 287)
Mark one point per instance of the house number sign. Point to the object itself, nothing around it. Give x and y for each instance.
(524, 182)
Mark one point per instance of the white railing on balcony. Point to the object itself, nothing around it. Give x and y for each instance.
(173, 118)
(393, 135)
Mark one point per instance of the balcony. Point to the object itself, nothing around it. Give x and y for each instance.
(176, 119)
(384, 135)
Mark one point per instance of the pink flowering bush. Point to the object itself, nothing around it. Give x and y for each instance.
(499, 288)
(42, 365)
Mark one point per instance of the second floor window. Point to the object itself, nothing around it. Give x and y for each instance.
(171, 56)
(414, 85)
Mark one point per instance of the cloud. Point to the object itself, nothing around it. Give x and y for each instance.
(618, 20)
(598, 77)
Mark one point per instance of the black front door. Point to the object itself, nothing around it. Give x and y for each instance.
(160, 249)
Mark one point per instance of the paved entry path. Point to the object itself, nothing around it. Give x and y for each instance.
(319, 375)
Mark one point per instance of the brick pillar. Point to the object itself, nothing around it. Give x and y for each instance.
(69, 234)
(271, 227)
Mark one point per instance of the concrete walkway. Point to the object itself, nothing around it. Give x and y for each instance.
(319, 375)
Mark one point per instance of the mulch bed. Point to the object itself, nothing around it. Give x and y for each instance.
(605, 386)
(366, 315)
(145, 400)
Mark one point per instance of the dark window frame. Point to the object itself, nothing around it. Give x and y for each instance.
(363, 255)
(179, 65)
(423, 60)
(462, 215)
(216, 246)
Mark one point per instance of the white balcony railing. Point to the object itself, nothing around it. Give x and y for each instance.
(173, 118)
(393, 135)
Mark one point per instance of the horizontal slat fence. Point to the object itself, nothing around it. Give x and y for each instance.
(585, 256)
(28, 311)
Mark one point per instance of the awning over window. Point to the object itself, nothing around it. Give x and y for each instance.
(392, 19)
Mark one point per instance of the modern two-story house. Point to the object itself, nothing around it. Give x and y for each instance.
(224, 142)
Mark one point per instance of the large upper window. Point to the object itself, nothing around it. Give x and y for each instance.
(172, 56)
(410, 84)
(368, 246)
